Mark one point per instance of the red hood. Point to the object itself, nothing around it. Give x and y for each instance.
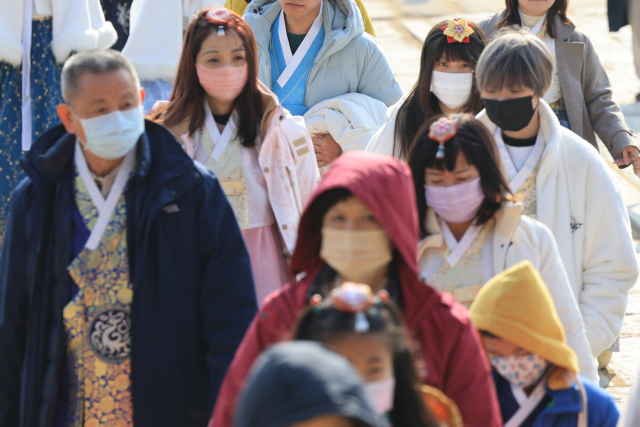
(385, 185)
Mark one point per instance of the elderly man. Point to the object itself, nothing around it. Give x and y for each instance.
(125, 285)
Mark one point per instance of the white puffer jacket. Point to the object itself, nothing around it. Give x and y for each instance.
(579, 199)
(351, 119)
(383, 141)
(78, 26)
(516, 238)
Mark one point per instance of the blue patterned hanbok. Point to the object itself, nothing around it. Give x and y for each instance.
(45, 95)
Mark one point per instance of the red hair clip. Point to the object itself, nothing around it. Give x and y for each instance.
(457, 31)
(220, 17)
(442, 130)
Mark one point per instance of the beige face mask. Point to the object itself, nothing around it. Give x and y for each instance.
(357, 255)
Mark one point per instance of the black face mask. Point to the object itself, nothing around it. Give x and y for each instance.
(510, 115)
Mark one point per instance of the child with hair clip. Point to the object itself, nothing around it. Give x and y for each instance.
(367, 329)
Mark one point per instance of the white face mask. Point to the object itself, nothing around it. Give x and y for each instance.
(452, 89)
(113, 135)
(381, 394)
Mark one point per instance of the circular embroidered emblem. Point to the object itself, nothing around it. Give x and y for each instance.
(110, 335)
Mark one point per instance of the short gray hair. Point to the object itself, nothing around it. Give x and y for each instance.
(95, 62)
(515, 58)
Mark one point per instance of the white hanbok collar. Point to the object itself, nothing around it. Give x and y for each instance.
(105, 207)
(293, 60)
(517, 178)
(221, 140)
(457, 249)
(536, 28)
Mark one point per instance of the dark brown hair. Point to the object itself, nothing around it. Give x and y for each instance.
(475, 142)
(559, 8)
(421, 103)
(188, 97)
(326, 324)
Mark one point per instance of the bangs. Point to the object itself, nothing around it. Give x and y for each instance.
(451, 150)
(512, 73)
(451, 52)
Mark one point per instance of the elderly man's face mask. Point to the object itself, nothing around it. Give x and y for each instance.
(107, 114)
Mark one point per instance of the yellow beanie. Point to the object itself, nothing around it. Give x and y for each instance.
(516, 306)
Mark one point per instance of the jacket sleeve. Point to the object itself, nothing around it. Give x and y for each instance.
(555, 277)
(228, 299)
(377, 80)
(469, 382)
(632, 415)
(383, 141)
(605, 115)
(609, 263)
(13, 313)
(249, 350)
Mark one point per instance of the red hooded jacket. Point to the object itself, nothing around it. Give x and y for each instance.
(448, 346)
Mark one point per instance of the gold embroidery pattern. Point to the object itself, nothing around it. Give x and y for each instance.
(97, 323)
(527, 194)
(230, 174)
(464, 279)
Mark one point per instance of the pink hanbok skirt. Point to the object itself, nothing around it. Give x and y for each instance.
(267, 260)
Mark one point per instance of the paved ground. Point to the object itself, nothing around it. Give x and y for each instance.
(401, 28)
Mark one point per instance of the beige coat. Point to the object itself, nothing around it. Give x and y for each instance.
(517, 237)
(585, 87)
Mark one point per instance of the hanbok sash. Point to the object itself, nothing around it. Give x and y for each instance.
(289, 72)
(98, 319)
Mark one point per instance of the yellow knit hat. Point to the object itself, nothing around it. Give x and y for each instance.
(516, 306)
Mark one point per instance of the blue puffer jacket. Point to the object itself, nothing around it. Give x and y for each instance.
(565, 405)
(193, 295)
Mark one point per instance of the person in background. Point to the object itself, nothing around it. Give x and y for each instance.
(228, 121)
(360, 225)
(535, 371)
(473, 228)
(446, 84)
(579, 91)
(239, 7)
(304, 384)
(632, 415)
(140, 268)
(561, 181)
(304, 48)
(30, 72)
(367, 329)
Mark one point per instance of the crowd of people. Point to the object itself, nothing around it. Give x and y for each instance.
(241, 221)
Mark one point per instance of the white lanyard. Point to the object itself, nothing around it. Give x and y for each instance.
(518, 178)
(105, 207)
(536, 28)
(26, 74)
(220, 140)
(293, 60)
(530, 405)
(458, 249)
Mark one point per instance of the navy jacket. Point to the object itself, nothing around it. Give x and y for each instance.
(561, 407)
(193, 294)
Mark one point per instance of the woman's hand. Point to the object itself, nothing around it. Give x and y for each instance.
(630, 154)
(326, 148)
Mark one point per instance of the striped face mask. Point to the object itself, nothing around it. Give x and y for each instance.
(224, 83)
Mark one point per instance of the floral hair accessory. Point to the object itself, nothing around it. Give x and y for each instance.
(458, 31)
(220, 17)
(442, 130)
(356, 299)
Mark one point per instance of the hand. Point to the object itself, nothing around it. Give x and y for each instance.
(326, 148)
(630, 154)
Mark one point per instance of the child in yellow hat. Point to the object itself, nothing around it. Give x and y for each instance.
(535, 372)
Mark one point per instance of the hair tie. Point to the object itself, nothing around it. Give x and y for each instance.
(356, 299)
(457, 31)
(220, 17)
(442, 130)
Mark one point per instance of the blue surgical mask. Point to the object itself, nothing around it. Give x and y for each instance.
(113, 135)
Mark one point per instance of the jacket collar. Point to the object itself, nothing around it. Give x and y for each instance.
(563, 31)
(507, 219)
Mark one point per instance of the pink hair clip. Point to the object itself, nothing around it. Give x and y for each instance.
(442, 130)
(220, 17)
(356, 299)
